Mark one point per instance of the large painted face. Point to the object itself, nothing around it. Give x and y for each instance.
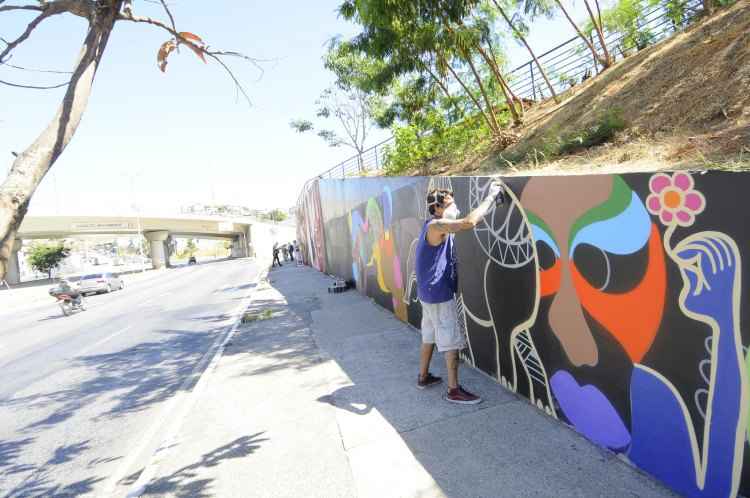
(602, 284)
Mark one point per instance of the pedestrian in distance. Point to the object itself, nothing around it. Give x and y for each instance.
(290, 248)
(297, 253)
(275, 256)
(285, 250)
(437, 283)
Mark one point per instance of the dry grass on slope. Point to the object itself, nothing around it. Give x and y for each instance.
(685, 102)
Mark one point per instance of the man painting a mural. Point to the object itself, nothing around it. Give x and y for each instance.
(437, 281)
(612, 302)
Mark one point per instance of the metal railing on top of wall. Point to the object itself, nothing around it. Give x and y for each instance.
(571, 62)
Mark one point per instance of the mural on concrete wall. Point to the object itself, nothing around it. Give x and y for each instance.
(614, 303)
(310, 228)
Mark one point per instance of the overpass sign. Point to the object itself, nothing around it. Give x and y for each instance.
(98, 227)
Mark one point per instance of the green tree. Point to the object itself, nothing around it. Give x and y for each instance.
(190, 249)
(100, 17)
(276, 215)
(45, 257)
(435, 39)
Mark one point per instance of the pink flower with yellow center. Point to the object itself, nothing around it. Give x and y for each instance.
(674, 199)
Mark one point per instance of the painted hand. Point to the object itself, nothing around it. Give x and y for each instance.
(709, 264)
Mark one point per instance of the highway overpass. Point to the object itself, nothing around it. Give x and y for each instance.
(159, 231)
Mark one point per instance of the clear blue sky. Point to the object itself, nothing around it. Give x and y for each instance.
(183, 131)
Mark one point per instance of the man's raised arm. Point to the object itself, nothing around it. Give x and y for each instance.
(468, 222)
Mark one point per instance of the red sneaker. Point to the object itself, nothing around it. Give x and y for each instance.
(462, 396)
(427, 381)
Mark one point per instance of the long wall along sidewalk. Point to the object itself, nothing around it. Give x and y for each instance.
(612, 302)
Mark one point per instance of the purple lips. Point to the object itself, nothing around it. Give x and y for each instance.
(590, 412)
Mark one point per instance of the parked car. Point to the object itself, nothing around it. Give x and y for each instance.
(100, 282)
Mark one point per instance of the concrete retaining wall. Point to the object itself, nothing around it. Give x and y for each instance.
(615, 304)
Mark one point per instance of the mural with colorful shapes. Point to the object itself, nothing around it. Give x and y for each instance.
(613, 303)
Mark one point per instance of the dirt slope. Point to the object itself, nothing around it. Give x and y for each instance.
(686, 102)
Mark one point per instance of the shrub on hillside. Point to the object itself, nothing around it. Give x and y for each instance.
(414, 149)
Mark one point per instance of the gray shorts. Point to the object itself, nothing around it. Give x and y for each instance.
(440, 326)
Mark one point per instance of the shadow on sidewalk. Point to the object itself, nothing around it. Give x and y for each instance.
(186, 481)
(502, 447)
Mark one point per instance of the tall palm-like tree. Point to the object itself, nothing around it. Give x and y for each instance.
(525, 43)
(536, 8)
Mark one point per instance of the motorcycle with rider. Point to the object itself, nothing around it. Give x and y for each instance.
(69, 299)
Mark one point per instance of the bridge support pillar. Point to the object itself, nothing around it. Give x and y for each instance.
(13, 273)
(159, 249)
(239, 247)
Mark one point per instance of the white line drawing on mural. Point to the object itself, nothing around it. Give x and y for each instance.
(411, 280)
(701, 394)
(461, 313)
(514, 245)
(509, 245)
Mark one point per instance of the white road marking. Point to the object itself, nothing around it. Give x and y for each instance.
(184, 397)
(102, 341)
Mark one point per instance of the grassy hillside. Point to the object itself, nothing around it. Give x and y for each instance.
(684, 103)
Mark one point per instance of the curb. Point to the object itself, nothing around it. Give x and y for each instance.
(179, 407)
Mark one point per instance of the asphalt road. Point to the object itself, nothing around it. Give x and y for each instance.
(83, 398)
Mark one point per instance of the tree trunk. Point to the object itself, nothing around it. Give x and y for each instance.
(580, 33)
(446, 92)
(471, 95)
(32, 165)
(507, 92)
(435, 78)
(599, 34)
(708, 7)
(487, 101)
(528, 47)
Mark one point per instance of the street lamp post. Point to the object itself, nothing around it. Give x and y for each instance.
(134, 205)
(140, 237)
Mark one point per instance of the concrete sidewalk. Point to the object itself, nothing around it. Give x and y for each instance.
(317, 398)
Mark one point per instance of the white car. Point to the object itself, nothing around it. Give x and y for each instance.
(100, 282)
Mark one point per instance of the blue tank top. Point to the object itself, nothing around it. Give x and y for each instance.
(437, 276)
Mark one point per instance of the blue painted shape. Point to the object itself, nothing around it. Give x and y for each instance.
(590, 412)
(625, 233)
(540, 234)
(661, 441)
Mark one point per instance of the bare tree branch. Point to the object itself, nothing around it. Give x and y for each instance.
(171, 18)
(214, 54)
(27, 32)
(33, 70)
(37, 8)
(237, 84)
(34, 87)
(228, 53)
(82, 8)
(47, 10)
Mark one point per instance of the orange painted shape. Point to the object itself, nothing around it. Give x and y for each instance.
(633, 318)
(672, 199)
(549, 279)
